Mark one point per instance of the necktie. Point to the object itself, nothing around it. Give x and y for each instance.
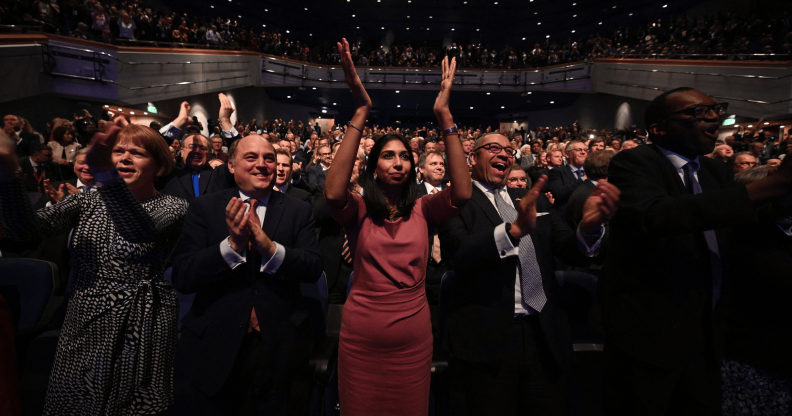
(196, 181)
(345, 253)
(436, 240)
(254, 259)
(530, 277)
(579, 173)
(693, 186)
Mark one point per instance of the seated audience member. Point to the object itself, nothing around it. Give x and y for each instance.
(597, 143)
(562, 181)
(518, 178)
(284, 176)
(539, 167)
(244, 252)
(22, 139)
(431, 166)
(217, 149)
(555, 159)
(318, 172)
(528, 159)
(194, 177)
(629, 144)
(757, 368)
(39, 166)
(333, 244)
(82, 182)
(743, 161)
(64, 147)
(723, 153)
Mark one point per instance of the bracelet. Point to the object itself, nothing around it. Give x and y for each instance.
(355, 127)
(451, 134)
(451, 130)
(107, 176)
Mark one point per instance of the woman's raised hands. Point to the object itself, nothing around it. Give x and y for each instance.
(441, 109)
(350, 75)
(100, 155)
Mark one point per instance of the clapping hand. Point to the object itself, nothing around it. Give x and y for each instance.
(100, 155)
(526, 210)
(237, 220)
(226, 109)
(441, 109)
(600, 207)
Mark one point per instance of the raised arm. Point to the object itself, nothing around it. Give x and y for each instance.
(461, 186)
(341, 170)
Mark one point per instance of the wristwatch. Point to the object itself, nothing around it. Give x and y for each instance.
(451, 130)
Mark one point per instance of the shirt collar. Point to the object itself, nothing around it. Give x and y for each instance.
(264, 200)
(574, 169)
(486, 188)
(284, 188)
(678, 160)
(32, 162)
(80, 184)
(429, 187)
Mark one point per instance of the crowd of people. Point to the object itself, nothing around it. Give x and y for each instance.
(672, 220)
(735, 35)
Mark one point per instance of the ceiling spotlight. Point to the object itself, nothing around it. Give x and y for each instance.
(548, 36)
(471, 108)
(465, 2)
(106, 106)
(408, 28)
(477, 30)
(750, 125)
(574, 4)
(614, 7)
(334, 103)
(573, 31)
(264, 25)
(427, 28)
(145, 114)
(523, 38)
(306, 8)
(452, 29)
(408, 17)
(630, 14)
(665, 5)
(397, 105)
(766, 123)
(240, 16)
(264, 9)
(781, 127)
(132, 112)
(552, 102)
(324, 111)
(120, 109)
(397, 91)
(313, 88)
(383, 28)
(310, 34)
(600, 22)
(535, 13)
(529, 92)
(430, 17)
(496, 2)
(212, 7)
(288, 96)
(539, 23)
(353, 15)
(503, 107)
(574, 15)
(287, 31)
(358, 27)
(488, 93)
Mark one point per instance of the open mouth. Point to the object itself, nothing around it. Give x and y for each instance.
(500, 166)
(124, 171)
(712, 132)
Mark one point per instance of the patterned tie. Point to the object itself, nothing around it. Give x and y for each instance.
(694, 187)
(530, 277)
(254, 258)
(579, 173)
(345, 253)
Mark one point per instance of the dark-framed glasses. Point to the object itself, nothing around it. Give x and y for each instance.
(703, 110)
(495, 149)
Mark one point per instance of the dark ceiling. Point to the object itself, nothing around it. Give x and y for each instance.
(492, 23)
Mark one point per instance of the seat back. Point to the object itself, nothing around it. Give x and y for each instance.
(317, 291)
(27, 285)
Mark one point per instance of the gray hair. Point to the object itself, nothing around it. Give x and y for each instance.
(751, 175)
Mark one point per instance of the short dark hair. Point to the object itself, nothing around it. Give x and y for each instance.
(658, 109)
(425, 156)
(38, 148)
(283, 152)
(596, 164)
(594, 141)
(376, 204)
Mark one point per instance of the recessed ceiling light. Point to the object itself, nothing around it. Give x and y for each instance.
(358, 27)
(574, 15)
(383, 28)
(306, 8)
(503, 107)
(212, 7)
(574, 4)
(264, 25)
(552, 102)
(614, 7)
(353, 15)
(313, 88)
(324, 111)
(471, 108)
(766, 123)
(106, 106)
(750, 125)
(120, 109)
(334, 103)
(408, 17)
(665, 5)
(573, 31)
(427, 28)
(430, 17)
(397, 105)
(310, 34)
(145, 113)
(535, 13)
(600, 22)
(397, 91)
(630, 14)
(240, 16)
(477, 30)
(548, 36)
(539, 23)
(133, 113)
(529, 92)
(287, 31)
(523, 38)
(496, 2)
(408, 28)
(452, 29)
(488, 93)
(288, 96)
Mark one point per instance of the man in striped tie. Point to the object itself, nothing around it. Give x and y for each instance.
(507, 332)
(563, 180)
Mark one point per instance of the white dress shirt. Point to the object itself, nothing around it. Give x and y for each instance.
(234, 259)
(429, 188)
(507, 249)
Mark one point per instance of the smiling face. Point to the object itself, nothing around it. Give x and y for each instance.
(283, 170)
(195, 152)
(81, 170)
(434, 170)
(555, 159)
(393, 165)
(135, 164)
(681, 132)
(254, 166)
(489, 168)
(577, 154)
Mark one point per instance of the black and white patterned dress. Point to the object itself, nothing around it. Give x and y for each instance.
(116, 350)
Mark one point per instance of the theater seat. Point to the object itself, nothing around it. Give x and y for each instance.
(27, 285)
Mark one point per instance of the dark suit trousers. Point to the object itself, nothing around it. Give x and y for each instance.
(633, 387)
(526, 382)
(249, 389)
(338, 293)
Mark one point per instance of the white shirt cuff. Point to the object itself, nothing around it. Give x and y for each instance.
(231, 257)
(589, 251)
(271, 266)
(170, 131)
(503, 243)
(785, 228)
(229, 134)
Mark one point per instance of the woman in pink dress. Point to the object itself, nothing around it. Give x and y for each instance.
(385, 351)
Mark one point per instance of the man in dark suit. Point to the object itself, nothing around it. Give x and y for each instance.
(195, 177)
(22, 139)
(506, 329)
(661, 295)
(318, 173)
(248, 332)
(563, 180)
(431, 167)
(39, 166)
(283, 177)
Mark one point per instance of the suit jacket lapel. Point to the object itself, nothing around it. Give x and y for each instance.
(275, 210)
(666, 165)
(482, 201)
(203, 182)
(186, 181)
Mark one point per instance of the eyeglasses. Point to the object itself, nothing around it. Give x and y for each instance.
(495, 149)
(702, 111)
(325, 154)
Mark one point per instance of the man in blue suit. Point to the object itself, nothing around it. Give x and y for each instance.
(249, 330)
